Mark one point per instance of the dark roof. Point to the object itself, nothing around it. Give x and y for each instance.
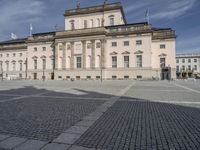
(94, 9)
(44, 33)
(16, 41)
(127, 25)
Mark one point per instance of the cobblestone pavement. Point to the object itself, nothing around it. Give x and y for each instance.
(129, 125)
(42, 118)
(113, 115)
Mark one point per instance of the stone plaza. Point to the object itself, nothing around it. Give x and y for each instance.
(108, 115)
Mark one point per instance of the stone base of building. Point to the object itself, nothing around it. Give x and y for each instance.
(111, 74)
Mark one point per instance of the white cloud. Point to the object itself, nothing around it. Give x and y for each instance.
(174, 9)
(15, 12)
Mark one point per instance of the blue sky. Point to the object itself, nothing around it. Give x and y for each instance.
(181, 15)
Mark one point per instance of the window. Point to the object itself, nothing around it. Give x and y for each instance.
(7, 66)
(78, 77)
(78, 62)
(72, 25)
(14, 66)
(139, 60)
(114, 61)
(126, 43)
(91, 23)
(114, 77)
(98, 45)
(126, 77)
(98, 77)
(44, 48)
(35, 49)
(139, 42)
(14, 54)
(126, 61)
(195, 67)
(52, 63)
(20, 66)
(189, 60)
(1, 55)
(162, 46)
(177, 68)
(177, 61)
(85, 24)
(189, 67)
(195, 60)
(162, 62)
(44, 63)
(20, 54)
(1, 65)
(114, 44)
(183, 68)
(183, 60)
(112, 21)
(98, 22)
(35, 64)
(88, 77)
(7, 55)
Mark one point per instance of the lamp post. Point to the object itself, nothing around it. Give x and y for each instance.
(2, 71)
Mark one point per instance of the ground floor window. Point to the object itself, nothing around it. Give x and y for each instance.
(126, 77)
(88, 77)
(114, 77)
(78, 77)
(139, 60)
(139, 77)
(98, 77)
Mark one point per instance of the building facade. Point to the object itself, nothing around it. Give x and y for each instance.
(188, 65)
(97, 43)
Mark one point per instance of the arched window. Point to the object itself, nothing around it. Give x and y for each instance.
(72, 24)
(112, 20)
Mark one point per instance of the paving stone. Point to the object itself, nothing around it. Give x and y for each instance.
(42, 118)
(55, 146)
(31, 145)
(75, 147)
(143, 124)
(12, 142)
(67, 138)
(77, 129)
(3, 137)
(86, 123)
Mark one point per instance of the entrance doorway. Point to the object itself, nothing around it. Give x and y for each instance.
(35, 76)
(52, 76)
(166, 73)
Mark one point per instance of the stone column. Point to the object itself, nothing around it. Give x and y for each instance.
(56, 56)
(84, 53)
(93, 54)
(72, 56)
(64, 55)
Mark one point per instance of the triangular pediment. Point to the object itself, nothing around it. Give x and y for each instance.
(162, 55)
(138, 52)
(113, 53)
(125, 53)
(34, 57)
(43, 57)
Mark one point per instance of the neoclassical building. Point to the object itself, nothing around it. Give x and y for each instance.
(97, 43)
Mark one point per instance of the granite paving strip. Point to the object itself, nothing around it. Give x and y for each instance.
(71, 135)
(75, 147)
(12, 142)
(187, 88)
(55, 146)
(3, 137)
(31, 145)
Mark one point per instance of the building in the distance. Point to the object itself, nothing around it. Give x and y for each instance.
(188, 65)
(97, 43)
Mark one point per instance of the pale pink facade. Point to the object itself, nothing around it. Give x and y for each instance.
(99, 44)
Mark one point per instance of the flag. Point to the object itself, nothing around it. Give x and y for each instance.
(13, 36)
